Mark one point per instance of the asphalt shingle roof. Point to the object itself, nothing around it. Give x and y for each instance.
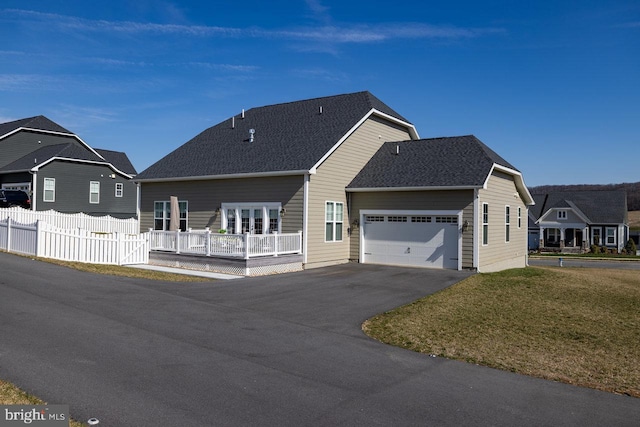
(600, 206)
(69, 151)
(118, 159)
(37, 122)
(461, 161)
(288, 137)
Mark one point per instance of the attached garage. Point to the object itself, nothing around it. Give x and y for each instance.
(411, 238)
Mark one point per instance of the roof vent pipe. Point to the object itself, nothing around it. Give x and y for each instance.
(321, 109)
(233, 122)
(243, 113)
(397, 149)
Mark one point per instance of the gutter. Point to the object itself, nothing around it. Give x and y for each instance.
(226, 176)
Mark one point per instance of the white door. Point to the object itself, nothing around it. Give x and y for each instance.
(411, 240)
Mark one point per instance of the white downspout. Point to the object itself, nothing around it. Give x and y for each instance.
(305, 218)
(477, 242)
(34, 190)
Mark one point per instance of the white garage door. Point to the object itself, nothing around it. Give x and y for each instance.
(411, 240)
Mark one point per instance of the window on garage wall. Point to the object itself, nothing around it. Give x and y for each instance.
(507, 223)
(485, 223)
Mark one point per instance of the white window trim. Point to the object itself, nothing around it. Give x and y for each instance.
(119, 186)
(44, 190)
(91, 192)
(593, 235)
(334, 222)
(507, 224)
(615, 236)
(485, 234)
(562, 214)
(519, 217)
(266, 207)
(164, 220)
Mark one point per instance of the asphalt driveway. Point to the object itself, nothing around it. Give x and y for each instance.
(278, 350)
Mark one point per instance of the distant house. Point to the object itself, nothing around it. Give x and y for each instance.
(62, 172)
(330, 167)
(572, 221)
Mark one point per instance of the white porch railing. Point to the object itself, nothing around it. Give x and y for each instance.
(46, 241)
(204, 242)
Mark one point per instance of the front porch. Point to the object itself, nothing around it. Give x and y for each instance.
(240, 254)
(564, 240)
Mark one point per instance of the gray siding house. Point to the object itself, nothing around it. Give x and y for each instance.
(329, 167)
(63, 173)
(572, 221)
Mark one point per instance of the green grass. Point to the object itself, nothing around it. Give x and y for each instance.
(12, 395)
(116, 270)
(579, 326)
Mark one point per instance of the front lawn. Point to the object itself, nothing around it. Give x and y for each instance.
(579, 326)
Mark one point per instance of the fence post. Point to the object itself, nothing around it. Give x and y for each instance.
(37, 248)
(119, 250)
(246, 245)
(208, 251)
(275, 243)
(178, 241)
(9, 234)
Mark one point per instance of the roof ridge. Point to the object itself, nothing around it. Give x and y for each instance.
(310, 99)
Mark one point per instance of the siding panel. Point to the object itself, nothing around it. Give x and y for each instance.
(499, 254)
(72, 190)
(204, 197)
(329, 183)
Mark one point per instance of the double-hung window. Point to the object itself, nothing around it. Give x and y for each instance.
(507, 223)
(49, 192)
(519, 217)
(334, 217)
(485, 223)
(610, 236)
(94, 192)
(119, 189)
(162, 215)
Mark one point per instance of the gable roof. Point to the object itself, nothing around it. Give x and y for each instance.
(117, 160)
(43, 155)
(289, 137)
(462, 162)
(37, 122)
(598, 206)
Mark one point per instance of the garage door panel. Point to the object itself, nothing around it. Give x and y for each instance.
(425, 244)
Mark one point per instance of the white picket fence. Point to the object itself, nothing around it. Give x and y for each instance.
(97, 224)
(46, 241)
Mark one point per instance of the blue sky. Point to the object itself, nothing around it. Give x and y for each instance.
(552, 86)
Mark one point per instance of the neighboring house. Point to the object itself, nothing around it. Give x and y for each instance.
(572, 221)
(329, 167)
(62, 172)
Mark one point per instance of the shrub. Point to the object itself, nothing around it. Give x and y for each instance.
(595, 249)
(630, 247)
